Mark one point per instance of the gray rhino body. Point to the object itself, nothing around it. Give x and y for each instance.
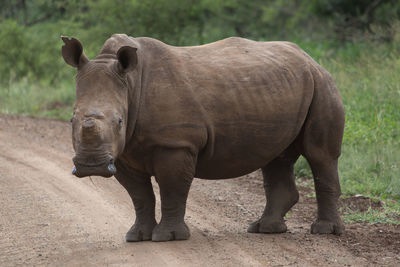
(215, 111)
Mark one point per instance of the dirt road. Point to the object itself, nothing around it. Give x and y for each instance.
(49, 217)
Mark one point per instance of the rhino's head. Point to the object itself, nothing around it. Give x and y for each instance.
(101, 108)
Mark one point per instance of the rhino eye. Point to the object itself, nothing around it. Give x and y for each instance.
(71, 120)
(120, 122)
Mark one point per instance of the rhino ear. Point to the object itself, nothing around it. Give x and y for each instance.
(72, 52)
(127, 58)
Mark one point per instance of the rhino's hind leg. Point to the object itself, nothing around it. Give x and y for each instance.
(281, 193)
(140, 190)
(174, 171)
(321, 146)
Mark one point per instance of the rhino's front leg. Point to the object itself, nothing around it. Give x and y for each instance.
(174, 171)
(140, 190)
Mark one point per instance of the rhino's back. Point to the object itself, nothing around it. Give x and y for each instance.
(239, 103)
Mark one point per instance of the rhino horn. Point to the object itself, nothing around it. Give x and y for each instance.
(90, 131)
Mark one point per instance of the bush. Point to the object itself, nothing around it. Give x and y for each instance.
(14, 57)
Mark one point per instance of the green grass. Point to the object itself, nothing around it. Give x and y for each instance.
(369, 81)
(370, 87)
(38, 99)
(368, 78)
(388, 214)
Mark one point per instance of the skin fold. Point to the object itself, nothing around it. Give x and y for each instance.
(216, 111)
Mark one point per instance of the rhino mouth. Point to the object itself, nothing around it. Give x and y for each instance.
(104, 168)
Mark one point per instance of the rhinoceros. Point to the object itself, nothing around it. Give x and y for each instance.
(215, 111)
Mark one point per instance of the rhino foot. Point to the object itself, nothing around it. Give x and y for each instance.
(327, 227)
(140, 232)
(266, 226)
(169, 232)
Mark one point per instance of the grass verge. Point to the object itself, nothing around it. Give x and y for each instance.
(38, 99)
(389, 213)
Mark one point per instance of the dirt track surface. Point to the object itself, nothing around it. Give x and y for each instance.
(49, 217)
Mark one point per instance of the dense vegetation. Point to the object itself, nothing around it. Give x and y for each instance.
(358, 41)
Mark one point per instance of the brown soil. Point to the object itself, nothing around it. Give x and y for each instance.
(49, 217)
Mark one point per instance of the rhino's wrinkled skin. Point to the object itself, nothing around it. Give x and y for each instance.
(220, 110)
